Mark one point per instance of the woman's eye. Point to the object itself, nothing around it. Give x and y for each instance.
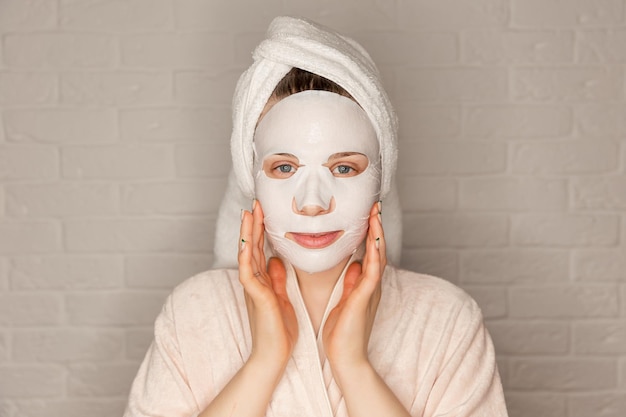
(283, 171)
(343, 170)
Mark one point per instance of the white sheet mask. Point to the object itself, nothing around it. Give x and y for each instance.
(313, 126)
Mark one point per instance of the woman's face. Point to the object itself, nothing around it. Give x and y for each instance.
(317, 174)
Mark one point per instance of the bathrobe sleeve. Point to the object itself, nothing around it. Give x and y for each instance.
(468, 383)
(161, 387)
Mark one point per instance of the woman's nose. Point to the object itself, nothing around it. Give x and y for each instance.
(314, 196)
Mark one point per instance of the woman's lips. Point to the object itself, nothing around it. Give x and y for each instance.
(314, 240)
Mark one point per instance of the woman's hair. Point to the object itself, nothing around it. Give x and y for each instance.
(298, 80)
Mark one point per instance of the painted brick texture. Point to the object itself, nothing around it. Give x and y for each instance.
(114, 130)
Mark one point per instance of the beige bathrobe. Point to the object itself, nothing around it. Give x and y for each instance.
(428, 343)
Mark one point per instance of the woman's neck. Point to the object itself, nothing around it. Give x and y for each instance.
(316, 290)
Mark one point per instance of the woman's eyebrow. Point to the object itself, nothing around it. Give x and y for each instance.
(282, 154)
(340, 155)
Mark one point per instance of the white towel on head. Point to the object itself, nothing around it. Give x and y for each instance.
(299, 43)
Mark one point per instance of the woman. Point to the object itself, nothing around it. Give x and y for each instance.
(323, 327)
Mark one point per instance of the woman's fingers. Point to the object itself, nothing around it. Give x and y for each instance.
(258, 239)
(351, 279)
(245, 248)
(278, 276)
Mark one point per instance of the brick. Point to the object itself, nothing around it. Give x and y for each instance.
(120, 88)
(31, 381)
(565, 230)
(598, 405)
(29, 237)
(59, 50)
(529, 338)
(28, 15)
(571, 157)
(177, 50)
(197, 197)
(21, 162)
(465, 84)
(348, 15)
(562, 374)
(140, 235)
(117, 162)
(67, 345)
(454, 231)
(564, 301)
(180, 124)
(61, 199)
(601, 46)
(606, 337)
(244, 45)
(219, 15)
(27, 89)
(517, 47)
(427, 194)
(417, 121)
(503, 122)
(200, 88)
(514, 266)
(114, 16)
(114, 309)
(567, 84)
(206, 160)
(66, 272)
(4, 349)
(600, 119)
(578, 13)
(163, 271)
(513, 194)
(492, 300)
(72, 407)
(450, 14)
(100, 380)
(29, 309)
(601, 193)
(445, 158)
(442, 264)
(4, 275)
(61, 126)
(137, 343)
(420, 49)
(8, 408)
(536, 404)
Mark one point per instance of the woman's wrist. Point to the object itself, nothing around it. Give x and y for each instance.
(266, 365)
(355, 370)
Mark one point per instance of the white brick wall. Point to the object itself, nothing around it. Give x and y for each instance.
(114, 127)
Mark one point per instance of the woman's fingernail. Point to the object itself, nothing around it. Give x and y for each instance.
(253, 205)
(377, 243)
(242, 245)
(241, 215)
(380, 207)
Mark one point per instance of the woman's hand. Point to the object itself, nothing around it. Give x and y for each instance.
(273, 323)
(349, 325)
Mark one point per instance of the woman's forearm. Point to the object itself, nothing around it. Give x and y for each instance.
(366, 393)
(248, 393)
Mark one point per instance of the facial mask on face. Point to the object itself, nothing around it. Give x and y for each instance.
(314, 217)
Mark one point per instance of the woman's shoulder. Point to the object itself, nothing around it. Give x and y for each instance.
(205, 287)
(411, 289)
